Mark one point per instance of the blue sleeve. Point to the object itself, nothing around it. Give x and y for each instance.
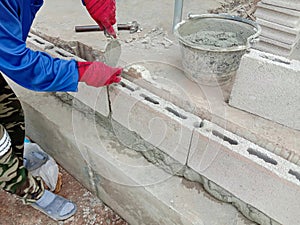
(37, 71)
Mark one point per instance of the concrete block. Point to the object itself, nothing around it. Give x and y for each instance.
(272, 48)
(278, 32)
(279, 15)
(268, 86)
(289, 4)
(296, 52)
(249, 172)
(288, 47)
(37, 43)
(95, 98)
(160, 123)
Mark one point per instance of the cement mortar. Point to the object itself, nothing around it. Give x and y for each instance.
(217, 39)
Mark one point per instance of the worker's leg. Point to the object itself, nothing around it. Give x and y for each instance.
(14, 178)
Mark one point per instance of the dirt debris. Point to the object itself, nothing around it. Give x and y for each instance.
(242, 8)
(91, 210)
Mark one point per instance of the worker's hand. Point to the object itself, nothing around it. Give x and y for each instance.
(98, 74)
(104, 13)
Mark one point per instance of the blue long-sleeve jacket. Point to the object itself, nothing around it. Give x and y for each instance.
(33, 70)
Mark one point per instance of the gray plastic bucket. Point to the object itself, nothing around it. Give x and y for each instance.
(211, 64)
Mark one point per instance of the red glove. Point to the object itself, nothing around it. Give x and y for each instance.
(98, 74)
(104, 13)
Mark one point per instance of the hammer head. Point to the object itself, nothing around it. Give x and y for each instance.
(134, 26)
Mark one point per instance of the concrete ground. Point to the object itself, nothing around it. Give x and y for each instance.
(90, 209)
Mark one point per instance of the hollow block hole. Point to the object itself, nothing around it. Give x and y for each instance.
(126, 86)
(176, 113)
(224, 138)
(262, 156)
(276, 59)
(62, 54)
(295, 174)
(199, 124)
(149, 99)
(38, 41)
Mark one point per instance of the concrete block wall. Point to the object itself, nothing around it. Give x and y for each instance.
(268, 85)
(280, 23)
(137, 190)
(234, 164)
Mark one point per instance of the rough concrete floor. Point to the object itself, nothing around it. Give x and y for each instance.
(91, 211)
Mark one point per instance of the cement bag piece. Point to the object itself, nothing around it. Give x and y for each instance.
(39, 163)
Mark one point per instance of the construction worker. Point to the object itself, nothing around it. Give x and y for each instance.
(39, 72)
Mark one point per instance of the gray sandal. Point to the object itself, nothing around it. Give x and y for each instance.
(55, 206)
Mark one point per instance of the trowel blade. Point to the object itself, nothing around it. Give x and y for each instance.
(112, 52)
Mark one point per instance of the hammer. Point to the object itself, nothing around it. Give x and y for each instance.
(131, 26)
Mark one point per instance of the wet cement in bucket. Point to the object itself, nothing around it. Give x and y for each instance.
(217, 39)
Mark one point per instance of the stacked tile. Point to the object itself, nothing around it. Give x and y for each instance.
(280, 23)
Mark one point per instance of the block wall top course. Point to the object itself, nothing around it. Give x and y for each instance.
(41, 44)
(236, 120)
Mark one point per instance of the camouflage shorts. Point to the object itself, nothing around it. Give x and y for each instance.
(14, 177)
